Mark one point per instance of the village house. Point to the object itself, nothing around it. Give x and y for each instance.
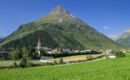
(4, 53)
(109, 51)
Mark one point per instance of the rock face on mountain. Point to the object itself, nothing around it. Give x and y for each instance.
(59, 29)
(113, 37)
(124, 39)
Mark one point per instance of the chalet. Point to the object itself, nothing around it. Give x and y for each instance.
(4, 53)
(109, 51)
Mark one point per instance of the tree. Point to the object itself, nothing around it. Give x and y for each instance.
(24, 62)
(61, 51)
(14, 55)
(20, 53)
(43, 52)
(119, 54)
(32, 53)
(24, 51)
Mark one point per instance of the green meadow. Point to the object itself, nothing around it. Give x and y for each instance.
(110, 69)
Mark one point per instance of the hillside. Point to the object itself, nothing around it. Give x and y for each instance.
(110, 69)
(59, 29)
(124, 39)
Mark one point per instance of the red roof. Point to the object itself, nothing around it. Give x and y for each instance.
(39, 40)
(10, 50)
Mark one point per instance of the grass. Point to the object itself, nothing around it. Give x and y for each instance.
(127, 53)
(7, 62)
(110, 69)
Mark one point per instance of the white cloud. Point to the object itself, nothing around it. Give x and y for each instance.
(106, 27)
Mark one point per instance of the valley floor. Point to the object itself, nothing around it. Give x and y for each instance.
(7, 63)
(110, 69)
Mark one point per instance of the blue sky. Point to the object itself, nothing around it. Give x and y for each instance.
(106, 16)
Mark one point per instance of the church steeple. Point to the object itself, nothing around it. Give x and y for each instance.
(39, 47)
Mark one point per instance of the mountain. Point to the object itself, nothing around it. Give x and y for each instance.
(124, 39)
(1, 37)
(113, 37)
(59, 29)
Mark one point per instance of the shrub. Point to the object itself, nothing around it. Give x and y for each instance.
(15, 65)
(119, 54)
(89, 57)
(55, 62)
(14, 55)
(61, 61)
(24, 62)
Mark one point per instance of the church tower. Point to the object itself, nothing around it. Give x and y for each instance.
(39, 47)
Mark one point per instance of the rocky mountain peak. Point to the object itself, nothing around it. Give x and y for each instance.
(113, 37)
(1, 36)
(128, 30)
(59, 11)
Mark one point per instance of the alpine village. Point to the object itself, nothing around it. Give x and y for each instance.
(60, 46)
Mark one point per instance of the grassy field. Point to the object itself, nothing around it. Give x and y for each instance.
(10, 62)
(110, 69)
(7, 62)
(78, 57)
